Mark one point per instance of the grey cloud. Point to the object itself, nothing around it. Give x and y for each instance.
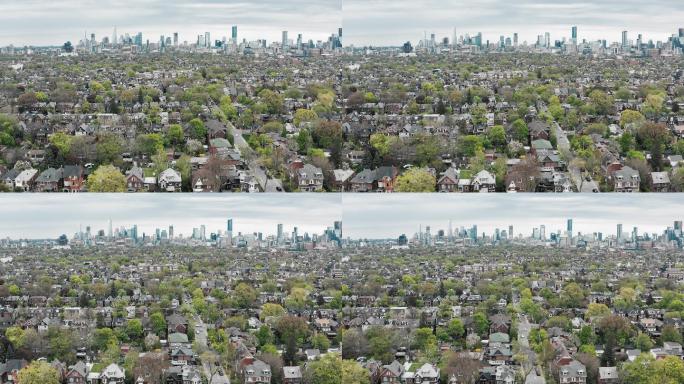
(42, 22)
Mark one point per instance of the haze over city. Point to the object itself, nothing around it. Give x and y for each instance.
(379, 22)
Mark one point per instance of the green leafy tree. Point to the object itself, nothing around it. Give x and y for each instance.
(197, 129)
(416, 180)
(175, 135)
(38, 372)
(107, 178)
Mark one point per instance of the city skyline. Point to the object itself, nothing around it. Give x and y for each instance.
(378, 23)
(26, 214)
(364, 216)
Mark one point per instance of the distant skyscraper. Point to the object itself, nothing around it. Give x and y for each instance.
(547, 40)
(574, 34)
(207, 39)
(339, 35)
(569, 227)
(170, 231)
(284, 43)
(510, 231)
(515, 39)
(175, 39)
(115, 38)
(234, 33)
(625, 41)
(542, 232)
(280, 233)
(619, 232)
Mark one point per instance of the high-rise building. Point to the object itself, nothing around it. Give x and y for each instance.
(515, 39)
(625, 41)
(284, 43)
(207, 39)
(203, 232)
(510, 231)
(339, 36)
(234, 34)
(547, 40)
(574, 34)
(171, 232)
(681, 32)
(279, 235)
(115, 38)
(175, 39)
(569, 228)
(619, 232)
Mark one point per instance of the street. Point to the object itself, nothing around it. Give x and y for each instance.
(201, 338)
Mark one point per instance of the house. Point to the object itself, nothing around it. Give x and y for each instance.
(257, 372)
(426, 374)
(292, 375)
(170, 180)
(448, 182)
(386, 178)
(574, 372)
(483, 182)
(608, 375)
(77, 373)
(10, 369)
(391, 373)
(182, 356)
(113, 374)
(341, 179)
(660, 182)
(74, 178)
(309, 178)
(135, 179)
(25, 179)
(9, 177)
(50, 180)
(364, 181)
(626, 179)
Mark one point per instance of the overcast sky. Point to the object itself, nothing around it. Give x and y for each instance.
(363, 215)
(366, 22)
(391, 22)
(388, 216)
(52, 22)
(48, 216)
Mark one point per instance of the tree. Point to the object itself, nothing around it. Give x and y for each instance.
(645, 369)
(158, 324)
(107, 178)
(326, 370)
(134, 329)
(630, 116)
(271, 309)
(197, 129)
(320, 341)
(38, 372)
(353, 373)
(62, 142)
(416, 180)
(469, 145)
(291, 331)
(175, 135)
(355, 344)
(520, 131)
(481, 323)
(245, 295)
(304, 116)
(327, 134)
(67, 47)
(149, 143)
(108, 148)
(455, 329)
(597, 310)
(497, 136)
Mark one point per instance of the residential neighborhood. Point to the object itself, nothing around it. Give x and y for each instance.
(352, 122)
